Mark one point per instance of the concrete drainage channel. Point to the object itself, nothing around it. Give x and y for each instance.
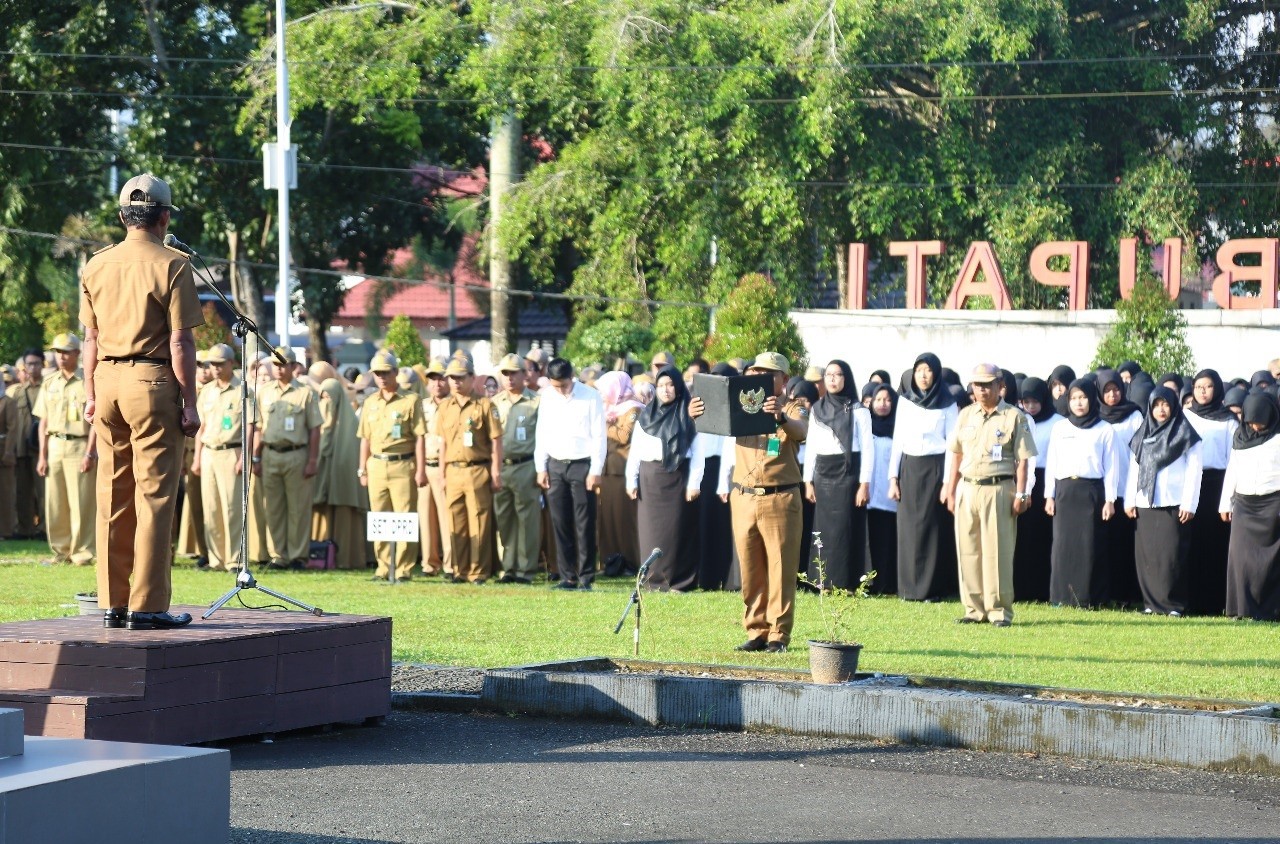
(1217, 735)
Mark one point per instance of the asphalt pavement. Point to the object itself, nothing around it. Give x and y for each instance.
(426, 776)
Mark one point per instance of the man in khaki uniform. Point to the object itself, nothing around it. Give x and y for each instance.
(994, 448)
(191, 540)
(68, 458)
(219, 461)
(8, 444)
(29, 486)
(766, 511)
(517, 502)
(437, 555)
(285, 430)
(471, 459)
(392, 458)
(138, 303)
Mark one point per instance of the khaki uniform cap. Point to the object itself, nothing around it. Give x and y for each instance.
(510, 363)
(221, 353)
(813, 374)
(156, 192)
(663, 359)
(458, 367)
(287, 354)
(771, 361)
(435, 366)
(65, 343)
(538, 356)
(384, 361)
(985, 373)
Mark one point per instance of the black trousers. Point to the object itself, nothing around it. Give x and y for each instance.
(573, 518)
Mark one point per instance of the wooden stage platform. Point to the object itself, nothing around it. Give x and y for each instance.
(239, 673)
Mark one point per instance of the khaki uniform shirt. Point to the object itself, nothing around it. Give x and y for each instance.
(519, 416)
(991, 444)
(61, 405)
(429, 409)
(391, 425)
(24, 398)
(618, 433)
(467, 427)
(135, 293)
(291, 412)
(221, 412)
(755, 466)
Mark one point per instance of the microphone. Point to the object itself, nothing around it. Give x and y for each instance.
(173, 242)
(644, 567)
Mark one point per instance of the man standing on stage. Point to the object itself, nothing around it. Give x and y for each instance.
(138, 303)
(68, 458)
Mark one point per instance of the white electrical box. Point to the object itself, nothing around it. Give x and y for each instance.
(271, 166)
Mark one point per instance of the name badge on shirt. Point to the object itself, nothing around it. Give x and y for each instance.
(521, 435)
(290, 424)
(226, 421)
(73, 412)
(997, 452)
(469, 439)
(774, 446)
(396, 431)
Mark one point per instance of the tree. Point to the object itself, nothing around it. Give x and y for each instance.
(755, 319)
(214, 330)
(1148, 329)
(609, 340)
(405, 341)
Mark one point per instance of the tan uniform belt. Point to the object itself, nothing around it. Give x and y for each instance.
(764, 490)
(392, 458)
(991, 481)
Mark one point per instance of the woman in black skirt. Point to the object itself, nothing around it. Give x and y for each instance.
(1125, 418)
(1035, 527)
(1081, 473)
(664, 472)
(1162, 495)
(1210, 536)
(1251, 504)
(927, 568)
(837, 475)
(882, 511)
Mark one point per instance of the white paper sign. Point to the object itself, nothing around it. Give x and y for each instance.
(392, 527)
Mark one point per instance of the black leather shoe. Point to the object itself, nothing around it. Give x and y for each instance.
(753, 645)
(564, 584)
(776, 647)
(522, 580)
(506, 577)
(1004, 622)
(298, 564)
(115, 618)
(157, 620)
(584, 586)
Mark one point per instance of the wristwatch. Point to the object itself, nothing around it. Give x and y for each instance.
(360, 473)
(1024, 496)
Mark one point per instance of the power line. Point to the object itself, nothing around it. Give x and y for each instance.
(713, 182)
(440, 285)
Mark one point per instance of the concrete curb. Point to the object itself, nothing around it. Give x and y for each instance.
(895, 709)
(435, 702)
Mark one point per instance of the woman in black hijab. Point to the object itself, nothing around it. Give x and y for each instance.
(1081, 476)
(925, 422)
(1162, 495)
(1125, 418)
(1172, 380)
(1128, 369)
(1034, 547)
(880, 376)
(1233, 400)
(1060, 380)
(1251, 503)
(664, 472)
(1210, 536)
(717, 565)
(1140, 389)
(837, 475)
(882, 512)
(1261, 380)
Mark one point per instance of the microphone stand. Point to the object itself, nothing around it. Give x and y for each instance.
(635, 598)
(242, 327)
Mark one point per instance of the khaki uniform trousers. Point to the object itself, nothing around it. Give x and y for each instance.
(437, 555)
(288, 499)
(139, 430)
(392, 490)
(191, 527)
(221, 495)
(470, 498)
(517, 510)
(70, 501)
(766, 534)
(258, 552)
(28, 496)
(986, 533)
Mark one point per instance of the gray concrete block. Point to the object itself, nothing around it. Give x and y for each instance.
(10, 732)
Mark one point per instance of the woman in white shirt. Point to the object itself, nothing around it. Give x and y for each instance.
(1125, 418)
(664, 473)
(1210, 536)
(1081, 475)
(1162, 493)
(1251, 504)
(837, 477)
(882, 511)
(1035, 527)
(927, 569)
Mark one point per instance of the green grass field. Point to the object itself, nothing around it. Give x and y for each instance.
(493, 625)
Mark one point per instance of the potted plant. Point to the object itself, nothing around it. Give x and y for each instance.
(88, 603)
(835, 659)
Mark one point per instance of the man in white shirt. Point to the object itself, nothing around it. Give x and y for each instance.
(568, 455)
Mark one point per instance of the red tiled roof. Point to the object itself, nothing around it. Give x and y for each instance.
(426, 305)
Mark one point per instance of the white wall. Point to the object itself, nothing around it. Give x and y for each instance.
(1034, 342)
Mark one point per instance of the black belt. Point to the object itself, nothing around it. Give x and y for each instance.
(139, 359)
(571, 462)
(991, 481)
(433, 463)
(222, 447)
(463, 464)
(765, 490)
(285, 447)
(392, 458)
(516, 461)
(69, 436)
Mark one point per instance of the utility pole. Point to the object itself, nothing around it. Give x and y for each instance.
(504, 172)
(280, 172)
